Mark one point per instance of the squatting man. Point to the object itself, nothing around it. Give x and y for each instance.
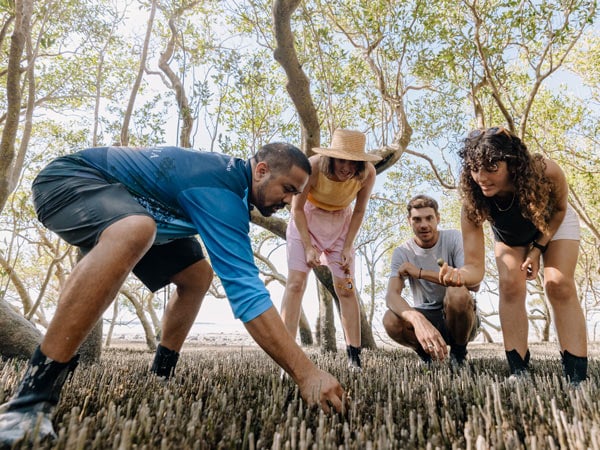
(440, 315)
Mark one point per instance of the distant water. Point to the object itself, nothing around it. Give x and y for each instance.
(132, 330)
(202, 333)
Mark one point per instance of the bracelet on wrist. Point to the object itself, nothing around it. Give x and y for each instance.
(420, 270)
(540, 247)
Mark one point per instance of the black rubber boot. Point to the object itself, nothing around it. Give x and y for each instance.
(354, 357)
(425, 357)
(458, 355)
(574, 367)
(519, 367)
(35, 399)
(164, 362)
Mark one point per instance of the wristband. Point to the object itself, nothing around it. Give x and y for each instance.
(420, 270)
(540, 247)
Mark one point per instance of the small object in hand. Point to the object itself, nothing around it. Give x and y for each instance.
(440, 262)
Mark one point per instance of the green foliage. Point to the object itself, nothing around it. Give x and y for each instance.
(449, 66)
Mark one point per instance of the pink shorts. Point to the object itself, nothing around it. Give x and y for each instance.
(328, 230)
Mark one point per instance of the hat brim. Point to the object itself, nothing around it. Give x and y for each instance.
(341, 154)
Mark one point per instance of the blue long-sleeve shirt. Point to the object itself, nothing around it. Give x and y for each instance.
(189, 192)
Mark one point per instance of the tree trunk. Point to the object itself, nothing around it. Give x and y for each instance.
(23, 12)
(111, 328)
(91, 348)
(185, 112)
(304, 328)
(298, 85)
(486, 335)
(367, 340)
(18, 336)
(326, 323)
(156, 322)
(547, 322)
(149, 331)
(138, 80)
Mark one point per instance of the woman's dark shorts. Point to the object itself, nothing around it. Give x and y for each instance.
(79, 208)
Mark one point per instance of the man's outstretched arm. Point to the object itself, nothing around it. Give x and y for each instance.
(316, 386)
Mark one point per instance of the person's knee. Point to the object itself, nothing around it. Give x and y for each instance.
(295, 286)
(204, 276)
(391, 323)
(196, 277)
(347, 297)
(512, 289)
(137, 232)
(458, 300)
(559, 288)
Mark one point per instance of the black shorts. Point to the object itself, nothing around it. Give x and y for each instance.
(80, 208)
(438, 320)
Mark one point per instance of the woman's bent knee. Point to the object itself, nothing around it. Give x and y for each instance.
(390, 322)
(558, 289)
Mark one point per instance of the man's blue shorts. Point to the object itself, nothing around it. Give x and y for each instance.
(79, 208)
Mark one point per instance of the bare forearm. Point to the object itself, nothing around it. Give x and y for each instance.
(394, 300)
(302, 227)
(472, 276)
(353, 228)
(553, 226)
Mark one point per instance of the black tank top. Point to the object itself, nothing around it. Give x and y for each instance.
(510, 227)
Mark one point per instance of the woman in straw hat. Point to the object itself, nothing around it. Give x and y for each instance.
(323, 228)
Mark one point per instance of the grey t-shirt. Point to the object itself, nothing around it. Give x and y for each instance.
(427, 295)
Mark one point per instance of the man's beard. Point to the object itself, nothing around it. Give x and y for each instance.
(266, 211)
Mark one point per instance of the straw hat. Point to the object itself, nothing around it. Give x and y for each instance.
(347, 144)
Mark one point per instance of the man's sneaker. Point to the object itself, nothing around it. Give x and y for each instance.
(28, 414)
(15, 425)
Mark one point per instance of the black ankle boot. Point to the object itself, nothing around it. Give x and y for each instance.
(458, 355)
(354, 357)
(37, 395)
(574, 367)
(164, 362)
(518, 366)
(425, 357)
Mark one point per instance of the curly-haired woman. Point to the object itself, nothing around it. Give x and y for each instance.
(524, 197)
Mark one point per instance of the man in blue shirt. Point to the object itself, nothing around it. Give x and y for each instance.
(138, 210)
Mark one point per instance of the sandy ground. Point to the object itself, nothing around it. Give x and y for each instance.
(242, 341)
